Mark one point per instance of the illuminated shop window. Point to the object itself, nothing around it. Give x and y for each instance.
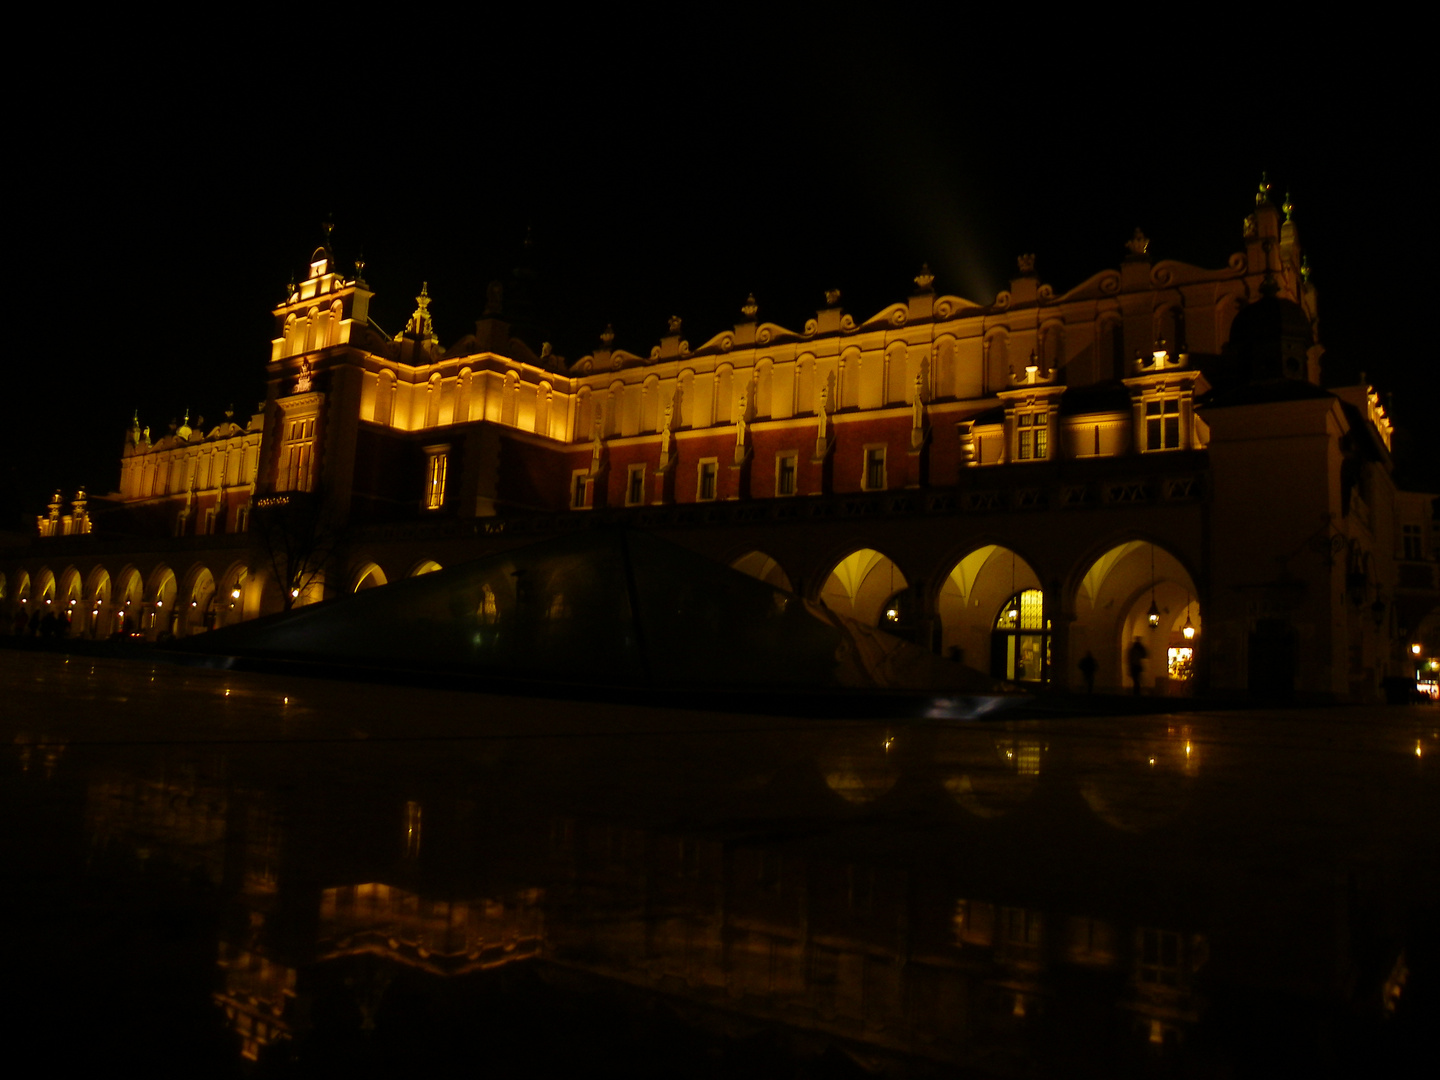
(437, 461)
(709, 473)
(1032, 441)
(1020, 643)
(874, 468)
(1162, 424)
(635, 485)
(785, 474)
(1181, 662)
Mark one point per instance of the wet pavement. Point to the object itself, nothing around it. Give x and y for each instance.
(218, 874)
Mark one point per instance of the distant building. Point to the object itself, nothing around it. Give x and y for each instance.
(1149, 455)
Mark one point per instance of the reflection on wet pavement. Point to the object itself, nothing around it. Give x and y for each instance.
(243, 873)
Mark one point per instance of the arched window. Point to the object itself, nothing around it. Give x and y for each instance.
(1020, 644)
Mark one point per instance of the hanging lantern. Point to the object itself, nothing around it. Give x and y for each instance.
(1187, 629)
(1153, 617)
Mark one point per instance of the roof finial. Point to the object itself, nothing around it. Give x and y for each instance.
(832, 297)
(925, 279)
(607, 335)
(750, 308)
(1305, 269)
(1026, 262)
(1289, 208)
(1262, 196)
(674, 324)
(360, 268)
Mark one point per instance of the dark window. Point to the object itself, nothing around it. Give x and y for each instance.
(1162, 424)
(785, 476)
(875, 469)
(636, 494)
(708, 472)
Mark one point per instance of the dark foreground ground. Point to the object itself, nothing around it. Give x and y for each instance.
(216, 874)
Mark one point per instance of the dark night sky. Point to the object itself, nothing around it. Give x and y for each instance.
(163, 209)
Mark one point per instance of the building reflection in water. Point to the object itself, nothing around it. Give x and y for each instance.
(973, 897)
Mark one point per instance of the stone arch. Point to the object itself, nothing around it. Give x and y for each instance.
(650, 405)
(199, 602)
(368, 576)
(1169, 326)
(723, 405)
(763, 568)
(237, 593)
(464, 381)
(807, 393)
(685, 390)
(1051, 350)
(1111, 601)
(433, 395)
(510, 400)
(129, 601)
(943, 376)
(897, 384)
(43, 594)
(971, 599)
(544, 398)
(584, 415)
(424, 566)
(763, 407)
(868, 586)
(68, 597)
(99, 606)
(1109, 346)
(385, 398)
(20, 596)
(161, 608)
(997, 359)
(847, 377)
(613, 402)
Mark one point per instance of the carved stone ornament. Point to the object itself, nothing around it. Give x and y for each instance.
(1026, 263)
(750, 309)
(925, 279)
(607, 335)
(1138, 244)
(1262, 195)
(303, 381)
(675, 323)
(832, 297)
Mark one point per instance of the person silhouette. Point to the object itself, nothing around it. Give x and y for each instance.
(1088, 667)
(1137, 654)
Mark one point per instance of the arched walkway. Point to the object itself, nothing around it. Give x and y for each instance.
(1138, 592)
(975, 605)
(233, 598)
(129, 602)
(99, 611)
(199, 611)
(161, 608)
(763, 568)
(69, 602)
(368, 576)
(428, 566)
(867, 586)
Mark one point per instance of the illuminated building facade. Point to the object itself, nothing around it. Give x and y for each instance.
(1030, 485)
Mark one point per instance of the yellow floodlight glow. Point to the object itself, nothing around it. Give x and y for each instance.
(1415, 649)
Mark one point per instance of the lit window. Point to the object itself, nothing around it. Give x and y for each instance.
(1031, 438)
(785, 474)
(874, 468)
(709, 473)
(635, 486)
(1162, 424)
(436, 463)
